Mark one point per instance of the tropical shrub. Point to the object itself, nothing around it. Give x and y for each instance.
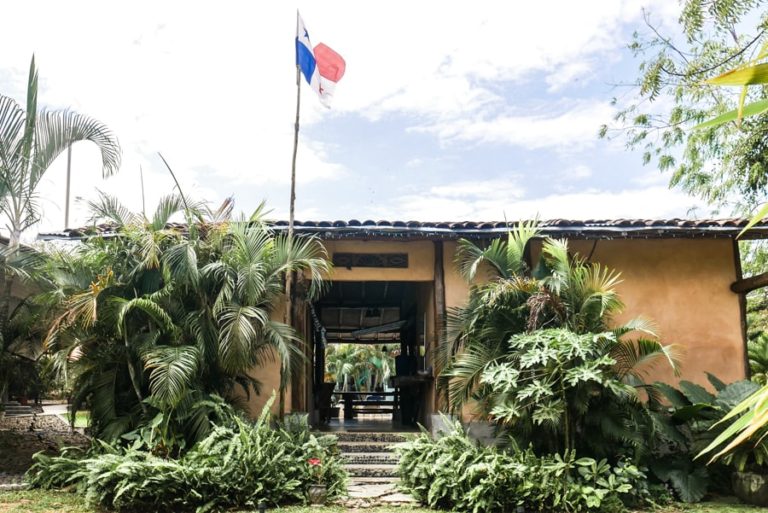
(535, 350)
(31, 138)
(757, 352)
(157, 319)
(562, 391)
(453, 472)
(239, 464)
(688, 425)
(363, 368)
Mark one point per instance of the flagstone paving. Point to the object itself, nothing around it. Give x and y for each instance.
(372, 464)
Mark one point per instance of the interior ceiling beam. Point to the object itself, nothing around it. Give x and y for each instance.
(746, 285)
(382, 328)
(365, 342)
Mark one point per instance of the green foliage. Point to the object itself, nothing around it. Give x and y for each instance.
(542, 374)
(238, 464)
(533, 350)
(757, 351)
(454, 473)
(154, 320)
(690, 425)
(363, 368)
(717, 163)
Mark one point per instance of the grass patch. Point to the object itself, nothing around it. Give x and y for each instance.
(36, 501)
(82, 418)
(40, 501)
(715, 507)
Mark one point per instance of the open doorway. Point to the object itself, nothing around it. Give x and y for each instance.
(371, 371)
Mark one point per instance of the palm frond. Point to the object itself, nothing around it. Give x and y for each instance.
(172, 370)
(109, 208)
(638, 358)
(152, 310)
(238, 335)
(518, 241)
(55, 131)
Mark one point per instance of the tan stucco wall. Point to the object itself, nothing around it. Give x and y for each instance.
(421, 260)
(269, 376)
(456, 288)
(682, 285)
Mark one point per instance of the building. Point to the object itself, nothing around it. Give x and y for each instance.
(684, 275)
(393, 282)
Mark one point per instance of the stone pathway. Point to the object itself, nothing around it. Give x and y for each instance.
(372, 465)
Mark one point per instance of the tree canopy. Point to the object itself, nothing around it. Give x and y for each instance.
(727, 166)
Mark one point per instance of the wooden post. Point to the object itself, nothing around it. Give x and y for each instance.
(288, 275)
(440, 309)
(69, 175)
(742, 304)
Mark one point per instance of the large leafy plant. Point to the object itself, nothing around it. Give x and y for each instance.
(31, 139)
(549, 380)
(757, 352)
(237, 465)
(453, 472)
(690, 422)
(535, 349)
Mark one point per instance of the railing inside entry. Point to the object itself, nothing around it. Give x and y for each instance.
(356, 403)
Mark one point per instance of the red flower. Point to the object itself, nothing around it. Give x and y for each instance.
(313, 461)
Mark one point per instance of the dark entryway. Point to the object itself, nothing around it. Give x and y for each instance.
(368, 354)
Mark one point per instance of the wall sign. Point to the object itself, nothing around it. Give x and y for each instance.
(384, 260)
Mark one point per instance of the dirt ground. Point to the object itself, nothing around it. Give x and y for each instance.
(18, 442)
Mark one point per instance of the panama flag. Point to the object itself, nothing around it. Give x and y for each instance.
(321, 66)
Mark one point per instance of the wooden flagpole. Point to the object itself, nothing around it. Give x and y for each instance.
(291, 217)
(69, 176)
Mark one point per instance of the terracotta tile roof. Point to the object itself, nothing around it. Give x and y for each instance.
(588, 229)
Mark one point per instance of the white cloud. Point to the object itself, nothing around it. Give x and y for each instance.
(490, 200)
(573, 127)
(577, 172)
(650, 177)
(568, 74)
(212, 86)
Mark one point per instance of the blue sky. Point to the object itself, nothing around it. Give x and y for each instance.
(446, 112)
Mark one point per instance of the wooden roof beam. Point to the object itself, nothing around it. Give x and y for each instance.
(746, 285)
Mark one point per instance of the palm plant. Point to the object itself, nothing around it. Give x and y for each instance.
(564, 292)
(175, 316)
(757, 351)
(30, 141)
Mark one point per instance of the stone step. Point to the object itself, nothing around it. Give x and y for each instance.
(375, 470)
(375, 480)
(15, 409)
(351, 436)
(349, 447)
(369, 458)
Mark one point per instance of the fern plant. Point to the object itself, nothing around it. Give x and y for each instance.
(237, 465)
(453, 472)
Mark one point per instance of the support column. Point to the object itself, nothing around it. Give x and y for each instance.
(440, 310)
(742, 304)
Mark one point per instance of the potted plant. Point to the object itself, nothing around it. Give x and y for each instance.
(318, 493)
(335, 408)
(750, 476)
(718, 415)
